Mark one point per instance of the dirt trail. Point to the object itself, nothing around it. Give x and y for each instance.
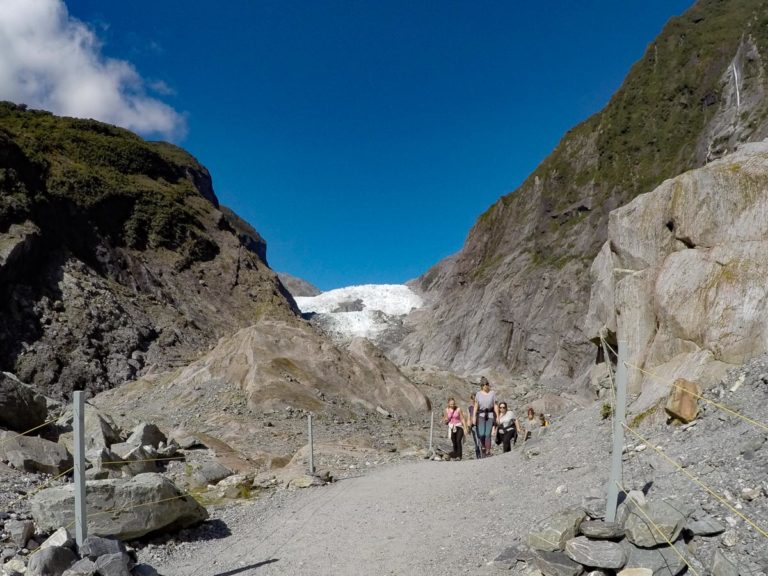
(426, 518)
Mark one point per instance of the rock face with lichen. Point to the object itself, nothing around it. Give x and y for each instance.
(515, 297)
(115, 255)
(681, 278)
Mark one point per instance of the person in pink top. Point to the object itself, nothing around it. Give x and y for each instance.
(457, 423)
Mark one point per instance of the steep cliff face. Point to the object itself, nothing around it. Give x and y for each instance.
(681, 278)
(115, 256)
(513, 300)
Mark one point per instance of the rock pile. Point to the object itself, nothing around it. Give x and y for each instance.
(58, 555)
(649, 537)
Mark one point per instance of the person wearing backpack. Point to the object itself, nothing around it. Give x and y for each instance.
(486, 415)
(473, 429)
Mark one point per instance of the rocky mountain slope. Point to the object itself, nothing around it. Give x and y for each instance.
(514, 299)
(681, 278)
(297, 286)
(115, 255)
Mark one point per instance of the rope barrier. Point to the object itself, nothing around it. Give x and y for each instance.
(711, 492)
(40, 487)
(177, 458)
(707, 400)
(659, 531)
(129, 508)
(5, 440)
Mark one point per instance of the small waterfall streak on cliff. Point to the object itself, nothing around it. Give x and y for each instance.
(736, 83)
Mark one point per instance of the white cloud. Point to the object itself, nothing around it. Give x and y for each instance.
(52, 61)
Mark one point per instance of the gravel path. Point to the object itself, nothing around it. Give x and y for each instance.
(426, 518)
(436, 518)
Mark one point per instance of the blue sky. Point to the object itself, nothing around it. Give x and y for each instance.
(363, 139)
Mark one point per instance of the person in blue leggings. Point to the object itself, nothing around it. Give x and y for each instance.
(486, 414)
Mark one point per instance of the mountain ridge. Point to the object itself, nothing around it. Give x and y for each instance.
(514, 298)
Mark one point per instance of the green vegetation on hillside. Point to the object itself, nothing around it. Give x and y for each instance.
(138, 194)
(651, 130)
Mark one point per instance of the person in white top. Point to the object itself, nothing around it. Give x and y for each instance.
(507, 428)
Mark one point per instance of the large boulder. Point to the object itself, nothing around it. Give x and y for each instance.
(552, 533)
(50, 561)
(146, 435)
(599, 530)
(653, 523)
(683, 401)
(681, 277)
(100, 431)
(21, 408)
(662, 561)
(34, 454)
(596, 553)
(556, 564)
(124, 509)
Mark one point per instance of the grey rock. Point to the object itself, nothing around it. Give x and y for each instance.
(512, 555)
(20, 531)
(100, 431)
(171, 510)
(7, 553)
(729, 538)
(95, 546)
(59, 538)
(21, 408)
(663, 561)
(721, 566)
(208, 472)
(136, 460)
(704, 526)
(599, 530)
(187, 441)
(15, 567)
(594, 506)
(143, 570)
(305, 481)
(657, 522)
(552, 533)
(556, 564)
(114, 565)
(84, 567)
(34, 454)
(596, 553)
(52, 561)
(146, 435)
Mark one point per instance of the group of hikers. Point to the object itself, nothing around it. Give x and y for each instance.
(488, 420)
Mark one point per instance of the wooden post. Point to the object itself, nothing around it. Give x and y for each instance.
(78, 421)
(619, 417)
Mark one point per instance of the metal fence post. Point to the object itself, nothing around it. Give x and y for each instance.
(311, 448)
(431, 428)
(619, 417)
(78, 418)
